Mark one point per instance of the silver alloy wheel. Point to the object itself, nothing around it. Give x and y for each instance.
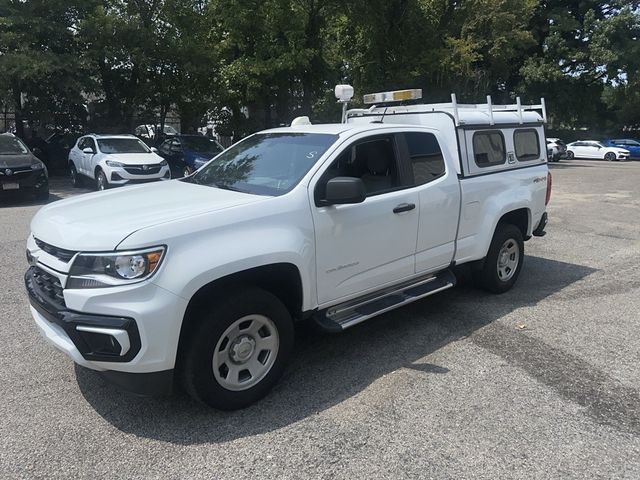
(508, 259)
(74, 177)
(610, 156)
(102, 181)
(245, 352)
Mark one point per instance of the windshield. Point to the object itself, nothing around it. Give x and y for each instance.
(629, 143)
(201, 144)
(12, 146)
(265, 163)
(122, 145)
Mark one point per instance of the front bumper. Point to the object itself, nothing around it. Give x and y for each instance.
(95, 337)
(27, 181)
(133, 339)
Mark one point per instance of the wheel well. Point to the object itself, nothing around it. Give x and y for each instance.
(519, 218)
(280, 279)
(96, 170)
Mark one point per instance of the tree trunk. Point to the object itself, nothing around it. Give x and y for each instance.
(18, 117)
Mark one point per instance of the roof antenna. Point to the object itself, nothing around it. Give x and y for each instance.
(381, 118)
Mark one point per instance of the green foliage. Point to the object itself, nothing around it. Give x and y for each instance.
(134, 59)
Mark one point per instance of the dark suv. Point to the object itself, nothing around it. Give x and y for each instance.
(20, 170)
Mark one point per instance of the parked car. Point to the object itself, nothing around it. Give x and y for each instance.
(626, 143)
(595, 149)
(151, 135)
(113, 160)
(201, 279)
(558, 149)
(187, 153)
(20, 170)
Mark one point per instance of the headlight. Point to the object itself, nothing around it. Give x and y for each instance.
(163, 163)
(99, 270)
(113, 163)
(37, 166)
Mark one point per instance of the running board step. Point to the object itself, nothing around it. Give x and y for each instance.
(348, 314)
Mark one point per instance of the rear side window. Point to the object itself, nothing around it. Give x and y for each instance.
(527, 144)
(489, 149)
(426, 157)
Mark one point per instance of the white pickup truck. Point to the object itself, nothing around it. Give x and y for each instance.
(201, 280)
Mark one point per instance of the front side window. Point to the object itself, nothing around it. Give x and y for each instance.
(12, 146)
(489, 149)
(372, 160)
(427, 162)
(527, 144)
(265, 163)
(122, 145)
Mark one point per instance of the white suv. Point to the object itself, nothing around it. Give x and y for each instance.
(113, 160)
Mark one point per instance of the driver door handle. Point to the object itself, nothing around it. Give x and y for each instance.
(404, 207)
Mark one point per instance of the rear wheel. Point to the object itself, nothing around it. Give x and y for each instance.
(73, 174)
(237, 350)
(101, 181)
(503, 262)
(569, 155)
(610, 156)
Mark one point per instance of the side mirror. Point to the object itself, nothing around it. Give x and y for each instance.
(154, 149)
(88, 151)
(343, 190)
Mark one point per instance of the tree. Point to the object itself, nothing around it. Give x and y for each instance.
(40, 62)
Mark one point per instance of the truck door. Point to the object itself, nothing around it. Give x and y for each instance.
(364, 246)
(438, 198)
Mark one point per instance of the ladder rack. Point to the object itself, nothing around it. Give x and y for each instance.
(489, 108)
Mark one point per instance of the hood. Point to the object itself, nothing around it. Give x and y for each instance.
(619, 150)
(13, 161)
(134, 158)
(100, 221)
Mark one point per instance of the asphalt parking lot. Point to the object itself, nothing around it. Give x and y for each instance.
(541, 382)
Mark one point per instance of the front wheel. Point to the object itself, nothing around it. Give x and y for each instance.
(237, 350)
(610, 156)
(101, 181)
(503, 262)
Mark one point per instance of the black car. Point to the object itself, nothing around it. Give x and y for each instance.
(187, 153)
(20, 170)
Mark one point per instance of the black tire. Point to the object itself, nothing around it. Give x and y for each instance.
(197, 352)
(569, 155)
(76, 181)
(488, 277)
(609, 156)
(101, 181)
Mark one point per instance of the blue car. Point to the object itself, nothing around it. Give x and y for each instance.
(627, 143)
(186, 153)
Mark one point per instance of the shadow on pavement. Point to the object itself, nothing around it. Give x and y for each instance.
(327, 369)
